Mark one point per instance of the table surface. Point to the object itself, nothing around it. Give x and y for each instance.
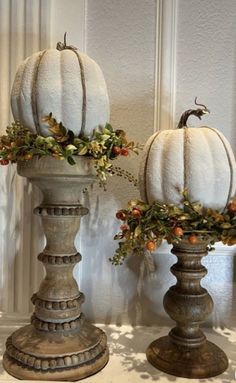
(128, 362)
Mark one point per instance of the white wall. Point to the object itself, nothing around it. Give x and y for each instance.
(206, 67)
(156, 55)
(121, 38)
(206, 61)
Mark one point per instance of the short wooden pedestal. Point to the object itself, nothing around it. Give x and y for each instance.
(59, 344)
(185, 351)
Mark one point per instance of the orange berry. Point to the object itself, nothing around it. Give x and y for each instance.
(55, 149)
(124, 152)
(121, 215)
(10, 156)
(123, 227)
(4, 162)
(178, 231)
(136, 213)
(232, 207)
(28, 156)
(231, 242)
(150, 245)
(193, 239)
(116, 150)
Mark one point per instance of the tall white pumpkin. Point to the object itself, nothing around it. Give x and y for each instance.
(64, 82)
(197, 159)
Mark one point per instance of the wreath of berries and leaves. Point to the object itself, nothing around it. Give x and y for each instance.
(104, 145)
(145, 226)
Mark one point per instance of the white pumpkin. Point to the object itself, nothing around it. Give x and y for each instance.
(197, 159)
(64, 82)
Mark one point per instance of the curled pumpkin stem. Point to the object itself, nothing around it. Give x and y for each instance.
(62, 46)
(199, 112)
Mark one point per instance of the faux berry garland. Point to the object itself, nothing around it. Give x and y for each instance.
(145, 226)
(105, 144)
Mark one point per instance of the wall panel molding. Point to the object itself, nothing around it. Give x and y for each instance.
(26, 26)
(165, 71)
(23, 30)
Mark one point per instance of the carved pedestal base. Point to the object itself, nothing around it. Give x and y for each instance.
(59, 344)
(185, 351)
(38, 355)
(203, 362)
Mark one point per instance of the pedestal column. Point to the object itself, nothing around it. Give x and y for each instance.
(59, 344)
(186, 351)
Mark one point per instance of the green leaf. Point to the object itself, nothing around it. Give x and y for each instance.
(77, 141)
(105, 137)
(39, 140)
(63, 130)
(49, 139)
(137, 231)
(70, 135)
(109, 127)
(55, 129)
(70, 148)
(83, 151)
(226, 225)
(106, 131)
(71, 160)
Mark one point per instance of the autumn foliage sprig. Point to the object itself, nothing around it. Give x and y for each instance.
(145, 226)
(105, 144)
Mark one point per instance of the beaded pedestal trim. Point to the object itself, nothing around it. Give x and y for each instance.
(66, 361)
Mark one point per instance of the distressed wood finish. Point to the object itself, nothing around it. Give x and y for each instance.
(185, 351)
(59, 344)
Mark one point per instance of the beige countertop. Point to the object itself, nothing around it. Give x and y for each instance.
(128, 362)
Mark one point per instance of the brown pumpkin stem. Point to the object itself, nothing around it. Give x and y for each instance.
(195, 112)
(62, 46)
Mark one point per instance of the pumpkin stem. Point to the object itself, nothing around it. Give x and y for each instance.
(195, 112)
(65, 38)
(61, 46)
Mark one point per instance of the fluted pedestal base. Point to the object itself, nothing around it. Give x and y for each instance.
(36, 355)
(203, 362)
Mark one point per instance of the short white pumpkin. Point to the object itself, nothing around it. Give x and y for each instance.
(64, 82)
(197, 159)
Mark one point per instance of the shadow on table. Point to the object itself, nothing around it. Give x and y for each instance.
(130, 346)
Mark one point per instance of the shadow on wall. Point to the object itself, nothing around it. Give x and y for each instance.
(117, 294)
(233, 306)
(21, 241)
(146, 305)
(14, 241)
(7, 234)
